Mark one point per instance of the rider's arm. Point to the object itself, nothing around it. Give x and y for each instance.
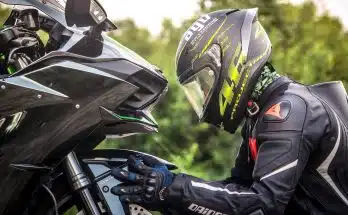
(285, 147)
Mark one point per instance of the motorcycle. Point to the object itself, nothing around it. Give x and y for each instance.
(59, 100)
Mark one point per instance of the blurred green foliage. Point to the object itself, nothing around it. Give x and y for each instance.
(306, 47)
(4, 13)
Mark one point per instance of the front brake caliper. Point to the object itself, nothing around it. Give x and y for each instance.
(138, 210)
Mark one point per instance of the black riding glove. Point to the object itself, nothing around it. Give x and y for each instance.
(145, 182)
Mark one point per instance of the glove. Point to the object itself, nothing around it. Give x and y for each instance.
(145, 182)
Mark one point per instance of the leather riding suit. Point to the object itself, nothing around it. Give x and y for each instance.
(292, 161)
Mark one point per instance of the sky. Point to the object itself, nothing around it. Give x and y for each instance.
(150, 13)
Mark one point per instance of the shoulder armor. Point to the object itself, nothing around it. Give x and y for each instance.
(287, 112)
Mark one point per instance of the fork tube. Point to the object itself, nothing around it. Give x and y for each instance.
(80, 183)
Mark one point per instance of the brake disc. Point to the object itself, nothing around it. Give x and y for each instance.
(138, 210)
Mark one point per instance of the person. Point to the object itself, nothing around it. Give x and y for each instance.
(294, 153)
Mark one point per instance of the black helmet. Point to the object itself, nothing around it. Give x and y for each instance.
(218, 62)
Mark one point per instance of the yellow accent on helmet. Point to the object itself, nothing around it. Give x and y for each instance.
(234, 76)
(227, 90)
(212, 37)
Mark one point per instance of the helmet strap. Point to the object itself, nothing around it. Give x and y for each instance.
(253, 108)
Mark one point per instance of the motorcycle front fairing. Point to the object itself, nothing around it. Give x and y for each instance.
(113, 61)
(70, 99)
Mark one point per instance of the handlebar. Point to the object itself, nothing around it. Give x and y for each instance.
(36, 21)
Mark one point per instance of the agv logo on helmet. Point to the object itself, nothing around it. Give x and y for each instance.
(196, 27)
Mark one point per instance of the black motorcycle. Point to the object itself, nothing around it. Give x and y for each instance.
(59, 100)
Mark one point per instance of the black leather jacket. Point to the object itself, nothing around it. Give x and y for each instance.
(295, 161)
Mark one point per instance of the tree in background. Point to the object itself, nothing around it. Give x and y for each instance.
(4, 13)
(306, 47)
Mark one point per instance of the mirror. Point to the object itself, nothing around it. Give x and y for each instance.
(84, 13)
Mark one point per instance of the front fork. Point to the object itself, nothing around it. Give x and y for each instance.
(80, 183)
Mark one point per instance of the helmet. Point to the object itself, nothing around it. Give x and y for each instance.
(218, 63)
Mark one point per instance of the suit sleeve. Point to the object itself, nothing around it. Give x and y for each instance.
(283, 154)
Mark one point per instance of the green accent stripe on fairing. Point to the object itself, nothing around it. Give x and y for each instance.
(143, 120)
(129, 118)
(11, 70)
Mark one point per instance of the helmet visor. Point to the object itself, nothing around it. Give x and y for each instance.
(198, 89)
